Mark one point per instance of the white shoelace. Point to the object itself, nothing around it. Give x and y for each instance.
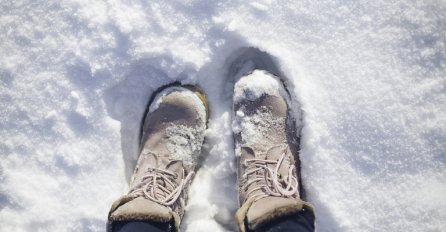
(268, 179)
(159, 185)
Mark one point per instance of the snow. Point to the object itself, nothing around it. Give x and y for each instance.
(252, 86)
(75, 77)
(180, 142)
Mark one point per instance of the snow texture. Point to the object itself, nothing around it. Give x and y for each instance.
(76, 75)
(253, 85)
(184, 142)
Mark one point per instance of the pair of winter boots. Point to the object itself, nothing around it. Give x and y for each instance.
(171, 140)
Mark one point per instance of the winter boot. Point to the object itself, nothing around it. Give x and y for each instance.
(268, 184)
(171, 140)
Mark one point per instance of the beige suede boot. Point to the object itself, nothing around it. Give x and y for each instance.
(172, 136)
(268, 184)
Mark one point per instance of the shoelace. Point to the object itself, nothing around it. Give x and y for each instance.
(268, 179)
(159, 185)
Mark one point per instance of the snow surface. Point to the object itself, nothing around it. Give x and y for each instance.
(253, 85)
(76, 75)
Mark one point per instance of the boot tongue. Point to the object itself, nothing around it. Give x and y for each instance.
(177, 168)
(276, 153)
(246, 153)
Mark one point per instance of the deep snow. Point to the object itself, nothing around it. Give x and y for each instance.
(75, 77)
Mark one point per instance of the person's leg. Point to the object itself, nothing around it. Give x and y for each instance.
(132, 226)
(301, 222)
(171, 138)
(267, 144)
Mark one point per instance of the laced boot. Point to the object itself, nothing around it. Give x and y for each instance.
(171, 140)
(268, 184)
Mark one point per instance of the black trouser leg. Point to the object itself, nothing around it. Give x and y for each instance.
(302, 222)
(140, 226)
